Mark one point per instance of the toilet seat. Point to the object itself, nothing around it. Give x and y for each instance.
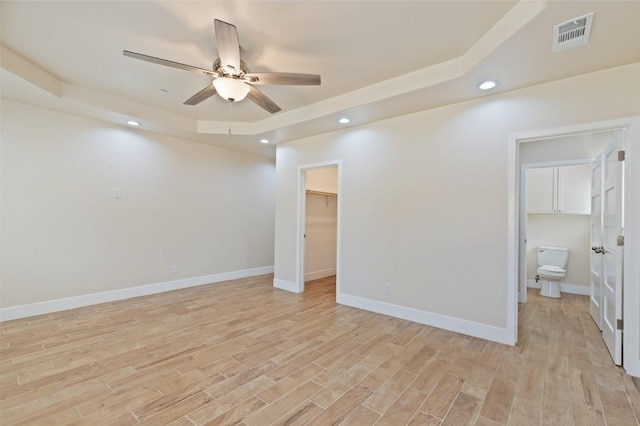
(551, 271)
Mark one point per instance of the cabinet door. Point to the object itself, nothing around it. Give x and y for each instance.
(540, 190)
(574, 189)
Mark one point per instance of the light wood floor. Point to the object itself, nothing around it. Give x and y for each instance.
(243, 352)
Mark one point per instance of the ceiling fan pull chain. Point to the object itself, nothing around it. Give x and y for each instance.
(230, 103)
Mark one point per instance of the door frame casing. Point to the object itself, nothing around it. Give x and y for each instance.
(301, 218)
(631, 272)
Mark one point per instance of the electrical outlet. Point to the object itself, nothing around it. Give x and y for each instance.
(387, 288)
(174, 269)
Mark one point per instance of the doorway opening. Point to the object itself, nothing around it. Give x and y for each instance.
(555, 216)
(319, 225)
(546, 142)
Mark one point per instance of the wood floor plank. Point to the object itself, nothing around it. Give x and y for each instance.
(382, 373)
(280, 388)
(478, 382)
(242, 352)
(385, 395)
(464, 410)
(336, 370)
(403, 409)
(423, 419)
(238, 413)
(587, 415)
(616, 407)
(217, 407)
(343, 406)
(483, 421)
(361, 416)
(497, 404)
(556, 405)
(282, 406)
(338, 387)
(530, 385)
(173, 411)
(440, 399)
(431, 375)
(525, 412)
(300, 415)
(632, 388)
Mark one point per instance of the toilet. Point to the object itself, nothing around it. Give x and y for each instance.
(552, 262)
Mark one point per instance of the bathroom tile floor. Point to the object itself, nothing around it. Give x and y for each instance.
(242, 352)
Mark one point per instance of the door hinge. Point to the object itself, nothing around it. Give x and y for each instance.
(619, 324)
(620, 240)
(620, 155)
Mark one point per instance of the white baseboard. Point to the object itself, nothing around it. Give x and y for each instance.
(583, 290)
(483, 331)
(319, 274)
(286, 285)
(23, 311)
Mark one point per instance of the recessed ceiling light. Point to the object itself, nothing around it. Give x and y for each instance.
(344, 120)
(487, 85)
(163, 91)
(133, 123)
(264, 140)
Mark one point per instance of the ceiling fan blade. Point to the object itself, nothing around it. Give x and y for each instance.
(262, 100)
(167, 63)
(205, 93)
(286, 78)
(228, 45)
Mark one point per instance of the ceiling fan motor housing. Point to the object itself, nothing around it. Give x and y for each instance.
(224, 71)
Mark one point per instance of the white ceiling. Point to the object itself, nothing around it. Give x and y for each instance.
(377, 59)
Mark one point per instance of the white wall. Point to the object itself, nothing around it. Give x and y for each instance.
(561, 230)
(205, 209)
(577, 147)
(322, 179)
(424, 198)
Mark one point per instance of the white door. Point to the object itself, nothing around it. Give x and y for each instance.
(595, 300)
(612, 208)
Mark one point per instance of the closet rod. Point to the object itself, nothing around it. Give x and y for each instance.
(328, 194)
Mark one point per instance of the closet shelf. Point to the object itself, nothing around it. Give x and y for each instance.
(327, 194)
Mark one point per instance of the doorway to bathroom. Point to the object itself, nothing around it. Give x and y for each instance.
(574, 146)
(556, 214)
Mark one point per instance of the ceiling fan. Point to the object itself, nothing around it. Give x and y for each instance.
(232, 79)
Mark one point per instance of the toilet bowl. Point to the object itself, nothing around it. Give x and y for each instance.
(552, 262)
(550, 276)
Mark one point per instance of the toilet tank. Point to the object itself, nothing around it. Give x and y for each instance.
(554, 256)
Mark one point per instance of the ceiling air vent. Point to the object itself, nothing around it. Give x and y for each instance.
(573, 33)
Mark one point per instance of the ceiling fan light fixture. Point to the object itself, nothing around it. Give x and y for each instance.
(231, 89)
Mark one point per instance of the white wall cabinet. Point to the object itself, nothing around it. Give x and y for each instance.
(564, 189)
